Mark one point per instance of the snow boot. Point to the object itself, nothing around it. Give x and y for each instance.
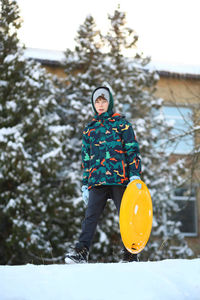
(77, 256)
(129, 257)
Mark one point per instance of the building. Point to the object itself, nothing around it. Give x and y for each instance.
(179, 86)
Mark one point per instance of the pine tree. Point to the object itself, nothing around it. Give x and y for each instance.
(35, 191)
(82, 66)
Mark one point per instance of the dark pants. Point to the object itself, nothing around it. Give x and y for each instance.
(98, 197)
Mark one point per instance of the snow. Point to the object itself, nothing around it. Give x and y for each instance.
(173, 67)
(52, 153)
(44, 54)
(167, 279)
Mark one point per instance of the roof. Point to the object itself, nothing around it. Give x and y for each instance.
(175, 70)
(45, 57)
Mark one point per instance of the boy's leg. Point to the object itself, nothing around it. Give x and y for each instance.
(97, 200)
(117, 192)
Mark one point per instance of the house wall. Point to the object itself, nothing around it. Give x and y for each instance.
(55, 70)
(184, 91)
(179, 90)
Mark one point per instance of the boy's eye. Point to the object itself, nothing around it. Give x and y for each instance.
(103, 101)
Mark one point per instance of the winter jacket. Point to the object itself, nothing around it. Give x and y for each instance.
(110, 152)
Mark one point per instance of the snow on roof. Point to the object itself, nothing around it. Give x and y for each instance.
(175, 68)
(45, 55)
(57, 57)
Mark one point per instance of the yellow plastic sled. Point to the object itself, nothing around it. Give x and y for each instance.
(136, 216)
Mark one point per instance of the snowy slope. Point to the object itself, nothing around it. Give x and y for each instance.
(168, 279)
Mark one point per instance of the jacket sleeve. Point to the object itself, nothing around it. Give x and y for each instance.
(85, 156)
(131, 148)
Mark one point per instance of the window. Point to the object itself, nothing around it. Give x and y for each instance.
(181, 118)
(187, 213)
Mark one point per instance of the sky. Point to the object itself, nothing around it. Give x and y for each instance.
(168, 30)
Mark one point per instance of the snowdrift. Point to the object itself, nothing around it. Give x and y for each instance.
(167, 279)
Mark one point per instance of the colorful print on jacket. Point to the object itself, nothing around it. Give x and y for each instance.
(110, 152)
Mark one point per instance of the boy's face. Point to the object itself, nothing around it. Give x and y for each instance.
(101, 105)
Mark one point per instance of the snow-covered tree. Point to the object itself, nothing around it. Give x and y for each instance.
(34, 189)
(133, 87)
(82, 69)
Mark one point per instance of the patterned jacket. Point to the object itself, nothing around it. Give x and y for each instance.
(110, 152)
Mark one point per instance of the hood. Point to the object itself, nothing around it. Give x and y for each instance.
(110, 107)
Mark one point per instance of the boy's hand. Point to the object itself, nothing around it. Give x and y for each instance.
(132, 178)
(85, 194)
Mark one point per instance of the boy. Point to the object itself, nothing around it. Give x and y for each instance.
(110, 156)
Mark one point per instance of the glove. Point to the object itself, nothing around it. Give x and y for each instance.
(132, 178)
(85, 194)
